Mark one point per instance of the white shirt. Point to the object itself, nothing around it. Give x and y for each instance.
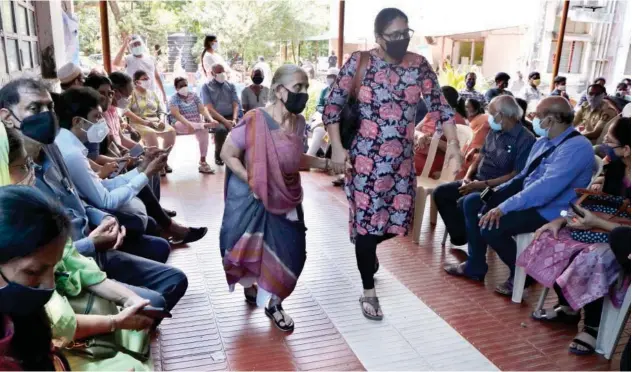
(211, 59)
(108, 194)
(145, 63)
(529, 94)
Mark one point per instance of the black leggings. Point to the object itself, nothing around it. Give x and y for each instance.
(592, 310)
(366, 247)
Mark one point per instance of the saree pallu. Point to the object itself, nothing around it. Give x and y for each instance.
(263, 240)
(584, 272)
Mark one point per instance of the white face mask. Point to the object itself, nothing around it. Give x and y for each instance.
(96, 132)
(184, 91)
(137, 50)
(122, 103)
(330, 81)
(215, 46)
(144, 84)
(562, 88)
(220, 78)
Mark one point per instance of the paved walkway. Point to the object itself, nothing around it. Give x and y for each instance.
(432, 321)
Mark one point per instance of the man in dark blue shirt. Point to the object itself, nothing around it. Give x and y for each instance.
(503, 155)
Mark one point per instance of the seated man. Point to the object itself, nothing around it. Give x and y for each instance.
(220, 99)
(470, 91)
(503, 155)
(593, 115)
(531, 92)
(559, 162)
(27, 105)
(502, 82)
(621, 96)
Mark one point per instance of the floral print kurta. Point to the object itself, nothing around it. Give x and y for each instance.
(381, 186)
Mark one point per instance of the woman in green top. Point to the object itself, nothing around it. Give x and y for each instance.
(74, 274)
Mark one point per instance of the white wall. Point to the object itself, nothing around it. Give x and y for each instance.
(504, 51)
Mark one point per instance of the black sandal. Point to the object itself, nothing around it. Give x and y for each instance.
(279, 309)
(585, 339)
(557, 314)
(252, 300)
(375, 303)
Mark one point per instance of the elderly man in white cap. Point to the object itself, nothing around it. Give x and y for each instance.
(69, 76)
(139, 59)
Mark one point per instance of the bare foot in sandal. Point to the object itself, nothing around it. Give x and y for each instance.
(585, 341)
(371, 305)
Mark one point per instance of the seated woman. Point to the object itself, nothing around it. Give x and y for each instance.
(426, 129)
(144, 112)
(188, 111)
(255, 95)
(480, 127)
(74, 272)
(581, 273)
(34, 232)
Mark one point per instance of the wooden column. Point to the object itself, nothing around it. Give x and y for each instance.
(105, 36)
(560, 43)
(341, 31)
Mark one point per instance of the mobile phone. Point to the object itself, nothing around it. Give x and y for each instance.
(121, 165)
(576, 210)
(136, 151)
(155, 312)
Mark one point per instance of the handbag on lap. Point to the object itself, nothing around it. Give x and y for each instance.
(107, 345)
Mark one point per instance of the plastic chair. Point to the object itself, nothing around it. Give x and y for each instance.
(426, 185)
(613, 321)
(524, 240)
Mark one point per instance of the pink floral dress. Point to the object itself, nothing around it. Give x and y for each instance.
(381, 187)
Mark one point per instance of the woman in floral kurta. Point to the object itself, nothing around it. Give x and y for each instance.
(381, 184)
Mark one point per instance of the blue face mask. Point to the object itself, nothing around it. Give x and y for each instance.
(609, 150)
(496, 127)
(537, 128)
(18, 299)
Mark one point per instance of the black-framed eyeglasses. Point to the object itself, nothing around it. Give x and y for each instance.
(400, 35)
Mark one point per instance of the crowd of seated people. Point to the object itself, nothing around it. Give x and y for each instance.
(525, 173)
(91, 245)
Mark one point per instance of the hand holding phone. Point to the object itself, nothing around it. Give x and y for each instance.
(576, 210)
(154, 312)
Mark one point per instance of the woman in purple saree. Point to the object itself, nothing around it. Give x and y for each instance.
(262, 238)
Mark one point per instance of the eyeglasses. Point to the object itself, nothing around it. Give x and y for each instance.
(400, 35)
(24, 169)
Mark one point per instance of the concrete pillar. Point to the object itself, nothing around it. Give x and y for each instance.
(50, 30)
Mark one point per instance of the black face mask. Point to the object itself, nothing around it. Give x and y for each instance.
(296, 102)
(40, 127)
(257, 79)
(396, 49)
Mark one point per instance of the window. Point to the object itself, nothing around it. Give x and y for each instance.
(471, 52)
(19, 51)
(571, 58)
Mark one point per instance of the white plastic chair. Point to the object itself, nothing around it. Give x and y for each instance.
(524, 240)
(426, 185)
(613, 321)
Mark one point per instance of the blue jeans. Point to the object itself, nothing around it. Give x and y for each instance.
(499, 239)
(162, 284)
(149, 247)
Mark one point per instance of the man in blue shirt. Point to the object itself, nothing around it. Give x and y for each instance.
(220, 99)
(503, 155)
(559, 162)
(26, 105)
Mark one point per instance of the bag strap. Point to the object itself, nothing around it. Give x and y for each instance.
(535, 163)
(359, 74)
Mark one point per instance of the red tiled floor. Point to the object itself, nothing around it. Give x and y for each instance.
(215, 330)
